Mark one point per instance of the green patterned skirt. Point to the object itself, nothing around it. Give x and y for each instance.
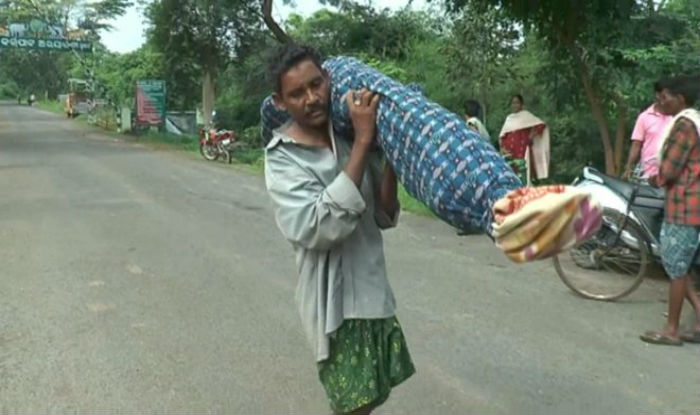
(367, 358)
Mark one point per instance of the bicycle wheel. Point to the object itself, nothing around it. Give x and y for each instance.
(611, 264)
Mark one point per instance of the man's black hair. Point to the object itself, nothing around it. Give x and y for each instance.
(472, 108)
(659, 85)
(285, 57)
(520, 97)
(687, 86)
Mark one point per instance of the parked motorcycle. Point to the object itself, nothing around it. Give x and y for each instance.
(615, 260)
(215, 143)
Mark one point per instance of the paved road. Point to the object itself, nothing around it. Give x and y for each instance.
(138, 281)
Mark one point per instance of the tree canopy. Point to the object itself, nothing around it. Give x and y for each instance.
(585, 67)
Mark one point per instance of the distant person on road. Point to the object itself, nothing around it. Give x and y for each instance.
(647, 134)
(472, 115)
(332, 197)
(679, 173)
(526, 137)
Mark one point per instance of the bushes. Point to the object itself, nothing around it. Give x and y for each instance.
(8, 89)
(251, 136)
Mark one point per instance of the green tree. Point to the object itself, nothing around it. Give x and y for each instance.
(381, 38)
(481, 48)
(592, 42)
(48, 73)
(118, 73)
(201, 36)
(91, 16)
(50, 70)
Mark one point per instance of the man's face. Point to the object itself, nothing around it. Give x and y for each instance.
(304, 94)
(660, 102)
(658, 98)
(671, 104)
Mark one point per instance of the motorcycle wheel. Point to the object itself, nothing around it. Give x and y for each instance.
(611, 264)
(209, 151)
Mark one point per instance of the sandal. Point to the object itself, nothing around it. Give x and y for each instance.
(657, 337)
(690, 336)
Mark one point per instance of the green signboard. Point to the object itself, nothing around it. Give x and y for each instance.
(150, 102)
(45, 44)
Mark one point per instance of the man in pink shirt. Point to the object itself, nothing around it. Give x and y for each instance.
(647, 134)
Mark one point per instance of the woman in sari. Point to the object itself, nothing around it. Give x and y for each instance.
(526, 137)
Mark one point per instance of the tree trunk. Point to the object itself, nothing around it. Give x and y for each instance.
(597, 110)
(208, 96)
(271, 24)
(620, 134)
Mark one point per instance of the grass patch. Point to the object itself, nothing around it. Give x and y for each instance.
(252, 158)
(52, 106)
(162, 140)
(410, 204)
(243, 158)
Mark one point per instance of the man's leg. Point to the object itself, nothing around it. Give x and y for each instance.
(368, 357)
(669, 335)
(676, 295)
(694, 300)
(674, 256)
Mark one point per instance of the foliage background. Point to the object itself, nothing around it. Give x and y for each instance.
(456, 49)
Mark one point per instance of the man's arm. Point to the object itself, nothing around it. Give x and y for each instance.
(385, 189)
(633, 159)
(388, 193)
(307, 212)
(638, 135)
(363, 112)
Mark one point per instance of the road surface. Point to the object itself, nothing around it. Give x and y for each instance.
(142, 281)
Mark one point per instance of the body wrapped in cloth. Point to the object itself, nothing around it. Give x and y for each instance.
(454, 171)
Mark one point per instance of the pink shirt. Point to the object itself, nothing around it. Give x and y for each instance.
(649, 128)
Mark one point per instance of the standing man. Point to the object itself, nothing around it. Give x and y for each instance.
(332, 197)
(679, 173)
(647, 133)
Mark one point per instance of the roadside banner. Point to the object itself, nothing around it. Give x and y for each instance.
(150, 102)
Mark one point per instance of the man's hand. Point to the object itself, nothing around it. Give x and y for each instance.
(653, 181)
(627, 174)
(363, 113)
(635, 153)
